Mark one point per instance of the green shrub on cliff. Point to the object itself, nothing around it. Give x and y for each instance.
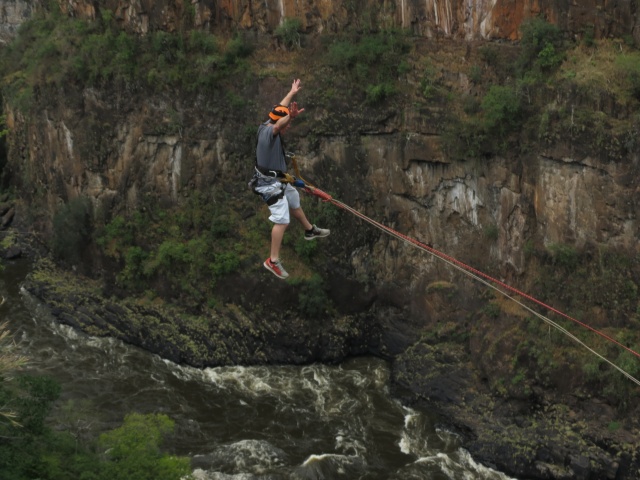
(487, 129)
(51, 48)
(116, 236)
(30, 448)
(541, 47)
(203, 42)
(629, 66)
(26, 439)
(372, 63)
(180, 253)
(133, 450)
(501, 110)
(564, 256)
(289, 32)
(132, 274)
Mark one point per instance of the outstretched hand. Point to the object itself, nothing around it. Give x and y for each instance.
(296, 86)
(294, 111)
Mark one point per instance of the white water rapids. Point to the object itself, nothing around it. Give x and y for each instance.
(243, 423)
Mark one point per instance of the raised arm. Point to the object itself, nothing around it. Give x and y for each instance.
(296, 86)
(294, 111)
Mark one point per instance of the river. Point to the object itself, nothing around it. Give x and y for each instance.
(242, 423)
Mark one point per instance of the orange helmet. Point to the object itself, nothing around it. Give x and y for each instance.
(278, 112)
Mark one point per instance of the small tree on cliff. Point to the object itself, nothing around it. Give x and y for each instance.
(541, 47)
(133, 450)
(289, 33)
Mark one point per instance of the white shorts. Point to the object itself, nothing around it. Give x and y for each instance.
(280, 209)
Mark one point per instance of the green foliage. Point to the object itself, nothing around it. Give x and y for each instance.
(133, 450)
(42, 392)
(488, 128)
(72, 229)
(404, 67)
(115, 236)
(289, 32)
(497, 61)
(178, 253)
(371, 63)
(518, 378)
(27, 440)
(501, 109)
(429, 82)
(3, 129)
(305, 248)
(475, 74)
(465, 140)
(489, 54)
(30, 449)
(618, 388)
(170, 255)
(588, 36)
(378, 93)
(629, 66)
(53, 50)
(3, 146)
(604, 281)
(541, 47)
(470, 105)
(225, 263)
(237, 49)
(203, 42)
(564, 256)
(221, 226)
(342, 55)
(133, 273)
(629, 40)
(593, 369)
(492, 310)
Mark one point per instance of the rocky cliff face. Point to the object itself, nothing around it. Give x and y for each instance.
(121, 150)
(556, 196)
(12, 15)
(467, 19)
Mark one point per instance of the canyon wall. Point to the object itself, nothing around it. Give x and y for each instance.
(124, 149)
(120, 150)
(119, 154)
(466, 19)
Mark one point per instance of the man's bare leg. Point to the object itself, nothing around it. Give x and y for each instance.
(299, 215)
(277, 234)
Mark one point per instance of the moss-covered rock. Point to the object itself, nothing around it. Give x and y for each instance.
(227, 335)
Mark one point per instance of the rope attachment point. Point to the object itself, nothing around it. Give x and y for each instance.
(325, 197)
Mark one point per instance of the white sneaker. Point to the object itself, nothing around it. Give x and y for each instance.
(316, 232)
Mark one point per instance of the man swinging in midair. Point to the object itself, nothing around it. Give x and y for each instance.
(273, 183)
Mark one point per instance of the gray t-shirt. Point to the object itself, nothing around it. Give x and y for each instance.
(269, 152)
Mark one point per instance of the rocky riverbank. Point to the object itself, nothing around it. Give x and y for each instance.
(231, 336)
(545, 436)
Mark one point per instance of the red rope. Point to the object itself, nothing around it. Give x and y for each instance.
(327, 198)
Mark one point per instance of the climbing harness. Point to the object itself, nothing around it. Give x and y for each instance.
(500, 287)
(269, 175)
